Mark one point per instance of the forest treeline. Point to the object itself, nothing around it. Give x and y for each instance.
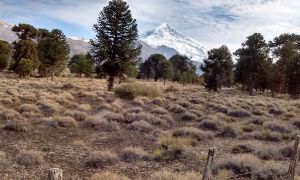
(115, 54)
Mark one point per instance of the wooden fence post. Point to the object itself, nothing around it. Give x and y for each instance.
(55, 174)
(294, 161)
(210, 159)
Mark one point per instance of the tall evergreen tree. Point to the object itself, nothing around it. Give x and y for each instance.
(54, 52)
(145, 69)
(81, 64)
(285, 48)
(252, 59)
(26, 47)
(218, 69)
(156, 65)
(181, 64)
(114, 47)
(5, 54)
(167, 70)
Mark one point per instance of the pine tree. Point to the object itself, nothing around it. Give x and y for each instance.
(145, 70)
(167, 70)
(293, 75)
(54, 52)
(114, 47)
(182, 64)
(252, 59)
(26, 47)
(5, 54)
(218, 69)
(81, 64)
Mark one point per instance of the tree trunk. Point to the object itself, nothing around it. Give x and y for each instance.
(164, 80)
(110, 84)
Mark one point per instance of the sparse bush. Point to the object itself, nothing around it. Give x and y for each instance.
(277, 111)
(192, 133)
(276, 126)
(296, 123)
(229, 132)
(85, 107)
(49, 107)
(77, 115)
(242, 148)
(131, 117)
(141, 126)
(172, 148)
(158, 101)
(159, 110)
(189, 117)
(29, 158)
(175, 108)
(133, 90)
(106, 175)
(28, 108)
(112, 116)
(250, 167)
(213, 125)
(99, 123)
(131, 154)
(67, 122)
(264, 135)
(15, 126)
(239, 113)
(196, 101)
(101, 159)
(183, 103)
(9, 114)
(171, 88)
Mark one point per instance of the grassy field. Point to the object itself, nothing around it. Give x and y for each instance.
(76, 125)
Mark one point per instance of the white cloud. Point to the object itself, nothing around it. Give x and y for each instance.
(211, 22)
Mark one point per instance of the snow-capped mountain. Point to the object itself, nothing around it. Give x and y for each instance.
(79, 39)
(167, 40)
(6, 33)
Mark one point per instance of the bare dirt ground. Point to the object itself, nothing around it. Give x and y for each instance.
(76, 125)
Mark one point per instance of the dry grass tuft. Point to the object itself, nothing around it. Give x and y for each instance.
(4, 162)
(67, 122)
(229, 132)
(133, 90)
(15, 126)
(99, 123)
(192, 132)
(141, 126)
(189, 117)
(239, 113)
(76, 114)
(29, 158)
(100, 159)
(175, 108)
(168, 175)
(131, 154)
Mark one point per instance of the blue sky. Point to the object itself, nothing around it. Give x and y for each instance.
(211, 22)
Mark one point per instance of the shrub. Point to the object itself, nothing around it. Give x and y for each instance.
(242, 148)
(172, 148)
(106, 175)
(66, 122)
(112, 116)
(28, 108)
(175, 108)
(267, 153)
(192, 133)
(265, 135)
(25, 67)
(212, 125)
(171, 88)
(296, 123)
(77, 115)
(99, 123)
(29, 158)
(131, 117)
(141, 126)
(131, 154)
(49, 107)
(14, 126)
(276, 126)
(239, 113)
(158, 101)
(159, 110)
(277, 111)
(133, 90)
(250, 167)
(101, 159)
(229, 132)
(9, 114)
(189, 116)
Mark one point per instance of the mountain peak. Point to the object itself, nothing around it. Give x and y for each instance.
(167, 36)
(4, 24)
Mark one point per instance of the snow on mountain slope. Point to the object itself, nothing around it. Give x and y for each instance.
(168, 37)
(6, 33)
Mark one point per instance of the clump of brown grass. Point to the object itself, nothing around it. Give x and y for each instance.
(106, 175)
(100, 159)
(67, 122)
(188, 116)
(158, 101)
(192, 132)
(211, 124)
(141, 126)
(85, 107)
(229, 132)
(76, 114)
(131, 154)
(277, 127)
(242, 148)
(239, 113)
(264, 135)
(159, 110)
(9, 114)
(133, 90)
(171, 88)
(251, 167)
(175, 108)
(49, 107)
(15, 126)
(29, 158)
(99, 123)
(29, 108)
(172, 148)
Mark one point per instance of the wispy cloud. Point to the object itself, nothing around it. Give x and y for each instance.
(212, 22)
